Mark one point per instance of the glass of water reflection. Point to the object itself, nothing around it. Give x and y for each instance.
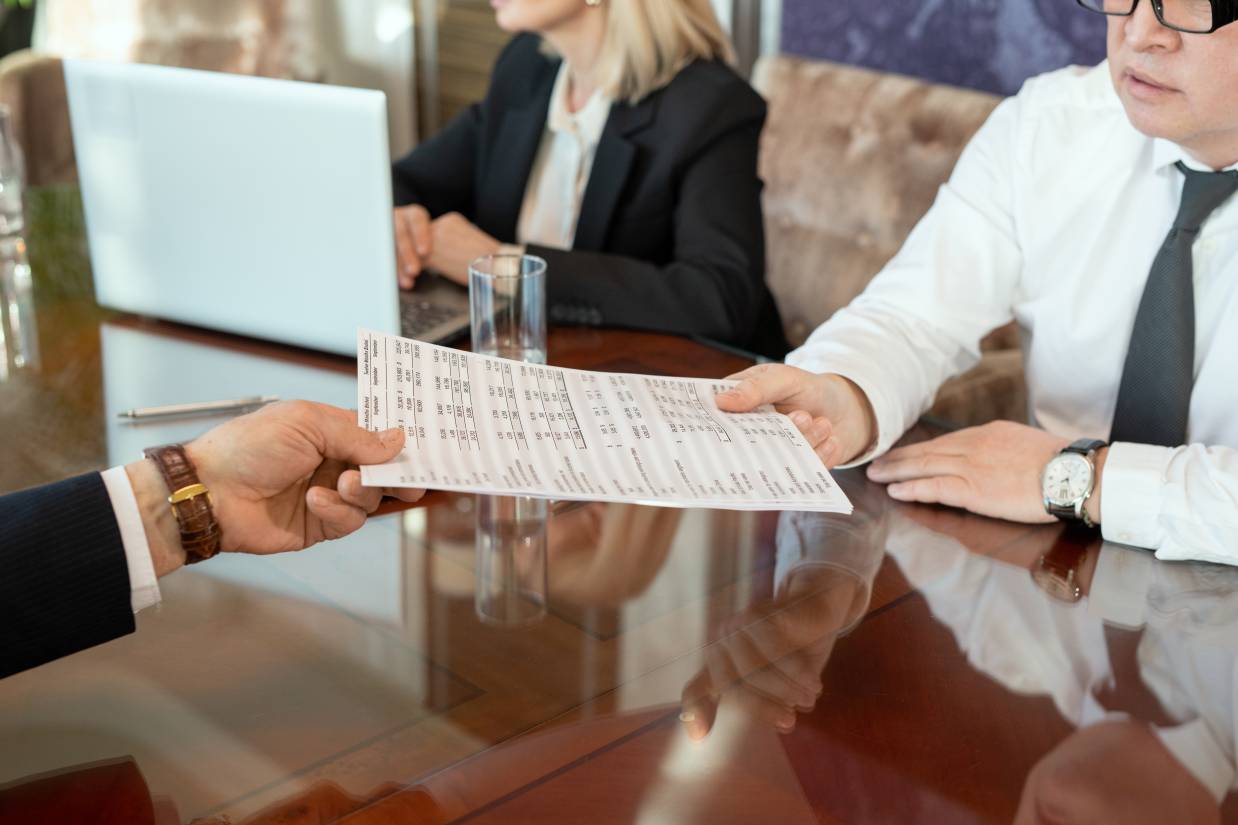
(507, 307)
(12, 177)
(509, 588)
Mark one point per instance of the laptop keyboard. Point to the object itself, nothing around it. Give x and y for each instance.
(436, 310)
(423, 316)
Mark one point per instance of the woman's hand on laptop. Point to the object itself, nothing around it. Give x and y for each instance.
(414, 242)
(456, 244)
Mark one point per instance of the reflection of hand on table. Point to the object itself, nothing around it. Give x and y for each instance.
(769, 661)
(1011, 543)
(606, 554)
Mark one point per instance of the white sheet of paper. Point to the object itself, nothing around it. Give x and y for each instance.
(489, 425)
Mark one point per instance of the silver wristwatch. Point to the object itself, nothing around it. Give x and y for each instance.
(1068, 480)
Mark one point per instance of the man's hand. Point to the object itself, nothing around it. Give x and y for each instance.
(456, 243)
(413, 242)
(831, 411)
(993, 470)
(281, 478)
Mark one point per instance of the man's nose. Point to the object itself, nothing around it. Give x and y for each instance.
(1144, 32)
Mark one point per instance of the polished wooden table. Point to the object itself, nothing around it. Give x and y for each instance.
(896, 666)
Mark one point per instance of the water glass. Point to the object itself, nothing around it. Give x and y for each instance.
(510, 584)
(19, 339)
(507, 307)
(12, 177)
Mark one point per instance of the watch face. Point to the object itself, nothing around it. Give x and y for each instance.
(1066, 479)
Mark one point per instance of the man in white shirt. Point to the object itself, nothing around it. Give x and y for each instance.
(1057, 217)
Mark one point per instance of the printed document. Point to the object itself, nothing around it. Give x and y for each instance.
(489, 425)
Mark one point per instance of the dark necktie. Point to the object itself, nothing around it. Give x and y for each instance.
(1154, 397)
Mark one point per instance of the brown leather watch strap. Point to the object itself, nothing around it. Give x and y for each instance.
(191, 502)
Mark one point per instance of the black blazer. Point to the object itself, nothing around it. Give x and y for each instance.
(64, 581)
(670, 235)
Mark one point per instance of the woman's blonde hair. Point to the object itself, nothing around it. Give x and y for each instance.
(649, 41)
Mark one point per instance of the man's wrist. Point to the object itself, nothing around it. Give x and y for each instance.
(200, 453)
(158, 520)
(856, 430)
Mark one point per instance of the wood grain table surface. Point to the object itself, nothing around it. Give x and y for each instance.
(896, 666)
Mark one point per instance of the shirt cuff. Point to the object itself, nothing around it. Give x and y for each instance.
(1132, 494)
(885, 412)
(143, 584)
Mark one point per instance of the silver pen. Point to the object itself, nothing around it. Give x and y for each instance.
(199, 408)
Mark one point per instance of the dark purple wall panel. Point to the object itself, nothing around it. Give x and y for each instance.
(985, 44)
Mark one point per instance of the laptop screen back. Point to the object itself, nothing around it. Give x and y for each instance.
(255, 206)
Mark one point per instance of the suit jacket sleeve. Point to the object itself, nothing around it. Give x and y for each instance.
(439, 173)
(713, 284)
(64, 581)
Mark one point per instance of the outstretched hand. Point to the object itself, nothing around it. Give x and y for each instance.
(831, 411)
(282, 478)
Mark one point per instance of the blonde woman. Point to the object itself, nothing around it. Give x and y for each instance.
(617, 143)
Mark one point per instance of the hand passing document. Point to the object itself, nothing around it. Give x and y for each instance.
(488, 425)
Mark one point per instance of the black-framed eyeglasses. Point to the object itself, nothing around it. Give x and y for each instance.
(1190, 16)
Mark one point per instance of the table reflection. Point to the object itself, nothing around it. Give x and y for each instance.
(19, 334)
(1142, 665)
(151, 368)
(362, 662)
(509, 587)
(901, 665)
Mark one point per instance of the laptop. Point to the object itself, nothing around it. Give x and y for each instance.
(250, 205)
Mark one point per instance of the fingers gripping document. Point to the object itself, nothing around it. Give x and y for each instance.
(489, 425)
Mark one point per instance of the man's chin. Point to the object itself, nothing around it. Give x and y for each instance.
(1154, 121)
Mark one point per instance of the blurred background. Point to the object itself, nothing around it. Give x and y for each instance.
(432, 57)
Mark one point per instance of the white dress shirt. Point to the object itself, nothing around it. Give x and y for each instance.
(1052, 219)
(561, 170)
(143, 584)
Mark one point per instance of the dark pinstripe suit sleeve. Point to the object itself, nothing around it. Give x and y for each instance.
(64, 581)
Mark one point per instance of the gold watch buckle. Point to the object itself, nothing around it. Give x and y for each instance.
(189, 492)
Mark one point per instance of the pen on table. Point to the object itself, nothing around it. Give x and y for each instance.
(198, 408)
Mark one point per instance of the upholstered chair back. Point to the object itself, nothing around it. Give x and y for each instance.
(852, 159)
(271, 38)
